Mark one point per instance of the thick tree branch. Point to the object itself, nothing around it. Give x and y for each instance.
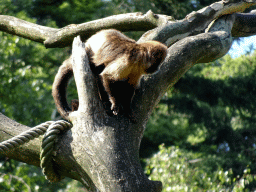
(29, 152)
(167, 31)
(245, 25)
(89, 100)
(181, 57)
(25, 29)
(122, 22)
(106, 148)
(195, 22)
(63, 37)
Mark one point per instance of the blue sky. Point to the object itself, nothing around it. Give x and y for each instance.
(242, 47)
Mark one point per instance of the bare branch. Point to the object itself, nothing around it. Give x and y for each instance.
(25, 29)
(89, 101)
(181, 57)
(28, 153)
(122, 22)
(63, 37)
(195, 22)
(245, 25)
(81, 69)
(167, 31)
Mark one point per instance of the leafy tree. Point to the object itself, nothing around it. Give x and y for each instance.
(181, 170)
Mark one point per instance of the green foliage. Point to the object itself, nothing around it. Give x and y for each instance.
(16, 176)
(26, 74)
(181, 170)
(64, 12)
(174, 8)
(165, 128)
(214, 106)
(27, 70)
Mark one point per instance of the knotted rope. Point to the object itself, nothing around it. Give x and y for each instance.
(47, 148)
(51, 130)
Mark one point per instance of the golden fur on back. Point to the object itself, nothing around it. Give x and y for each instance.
(126, 59)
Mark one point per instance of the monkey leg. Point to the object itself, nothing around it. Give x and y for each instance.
(107, 83)
(123, 93)
(120, 94)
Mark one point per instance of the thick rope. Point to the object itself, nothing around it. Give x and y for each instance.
(51, 130)
(24, 137)
(47, 149)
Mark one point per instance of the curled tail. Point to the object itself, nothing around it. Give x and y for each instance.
(59, 88)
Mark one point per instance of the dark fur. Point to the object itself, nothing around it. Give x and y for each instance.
(119, 62)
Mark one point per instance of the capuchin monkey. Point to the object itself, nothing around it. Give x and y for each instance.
(118, 63)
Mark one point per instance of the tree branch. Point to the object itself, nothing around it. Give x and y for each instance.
(25, 29)
(166, 31)
(122, 22)
(245, 25)
(63, 37)
(195, 22)
(29, 152)
(89, 100)
(181, 57)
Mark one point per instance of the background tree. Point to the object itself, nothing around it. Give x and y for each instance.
(175, 141)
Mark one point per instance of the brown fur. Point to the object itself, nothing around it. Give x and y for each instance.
(121, 61)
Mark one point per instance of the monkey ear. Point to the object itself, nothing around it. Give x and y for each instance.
(158, 57)
(155, 59)
(158, 54)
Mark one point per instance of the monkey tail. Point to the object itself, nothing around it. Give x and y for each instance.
(59, 88)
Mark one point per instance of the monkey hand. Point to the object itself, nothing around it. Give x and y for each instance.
(74, 104)
(115, 109)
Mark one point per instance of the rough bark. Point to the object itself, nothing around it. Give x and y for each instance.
(102, 151)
